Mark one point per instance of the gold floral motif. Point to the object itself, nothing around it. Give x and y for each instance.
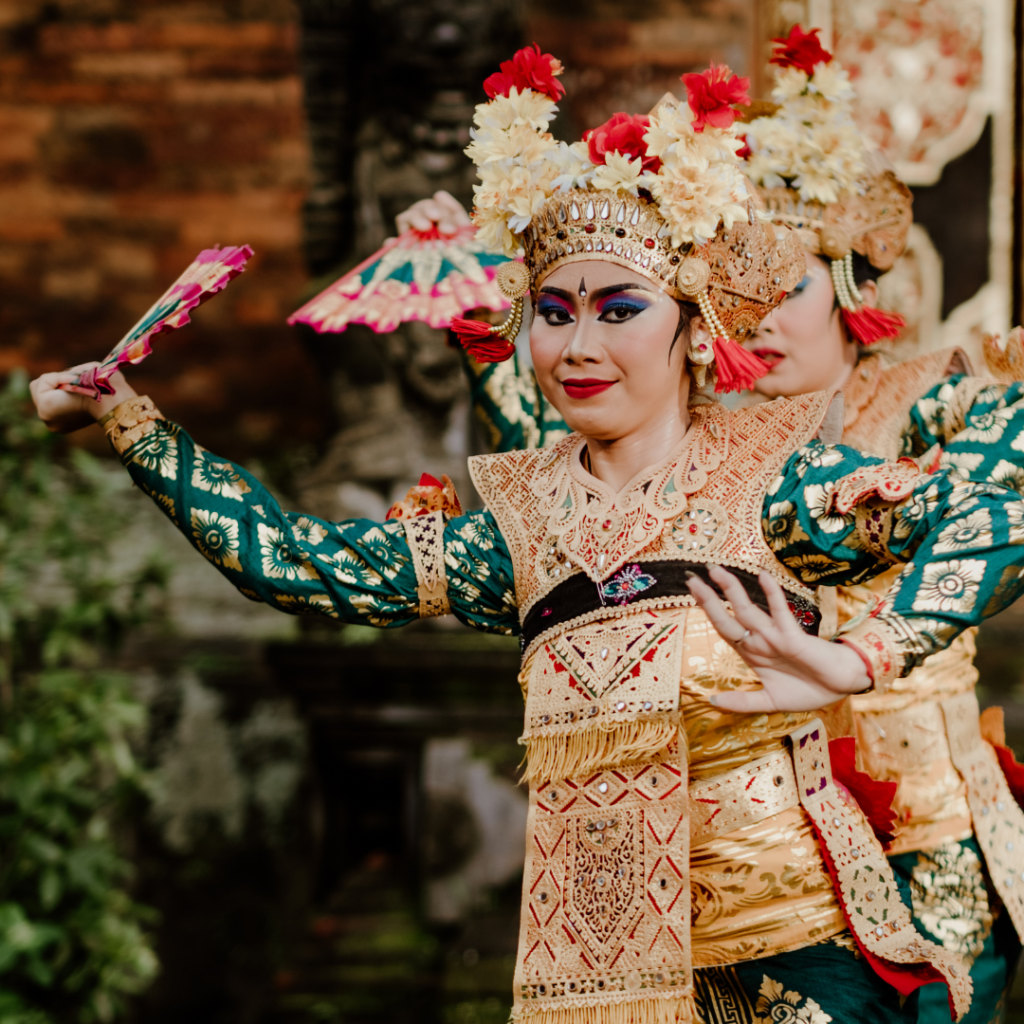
(820, 501)
(971, 532)
(350, 569)
(947, 887)
(779, 1007)
(1006, 474)
(158, 450)
(216, 537)
(782, 527)
(1015, 518)
(217, 477)
(313, 604)
(281, 559)
(949, 586)
(308, 531)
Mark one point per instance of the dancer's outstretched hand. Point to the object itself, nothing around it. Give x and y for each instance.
(442, 211)
(64, 412)
(798, 672)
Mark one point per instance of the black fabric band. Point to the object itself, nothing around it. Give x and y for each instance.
(579, 595)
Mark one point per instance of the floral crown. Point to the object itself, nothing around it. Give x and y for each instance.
(809, 163)
(662, 194)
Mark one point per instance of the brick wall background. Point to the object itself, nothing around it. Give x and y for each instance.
(133, 134)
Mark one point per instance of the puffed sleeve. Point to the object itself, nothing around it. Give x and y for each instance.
(837, 517)
(360, 571)
(979, 426)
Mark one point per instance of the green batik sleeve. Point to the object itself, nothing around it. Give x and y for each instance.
(357, 571)
(980, 426)
(509, 405)
(837, 517)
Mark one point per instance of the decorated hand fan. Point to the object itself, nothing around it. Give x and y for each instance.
(418, 276)
(208, 274)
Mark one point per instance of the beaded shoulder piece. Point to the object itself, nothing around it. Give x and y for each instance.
(879, 398)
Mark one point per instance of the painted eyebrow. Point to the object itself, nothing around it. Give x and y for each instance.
(611, 289)
(560, 293)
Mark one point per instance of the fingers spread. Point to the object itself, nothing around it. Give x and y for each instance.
(713, 607)
(747, 613)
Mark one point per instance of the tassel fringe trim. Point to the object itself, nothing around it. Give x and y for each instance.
(677, 1010)
(565, 756)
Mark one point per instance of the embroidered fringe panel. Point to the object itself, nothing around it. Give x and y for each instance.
(675, 1010)
(570, 755)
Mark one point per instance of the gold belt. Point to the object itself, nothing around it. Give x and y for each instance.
(862, 877)
(906, 739)
(741, 797)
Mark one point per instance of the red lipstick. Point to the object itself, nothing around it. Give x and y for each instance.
(586, 387)
(770, 356)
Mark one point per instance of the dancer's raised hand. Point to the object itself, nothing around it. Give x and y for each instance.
(442, 211)
(64, 412)
(798, 672)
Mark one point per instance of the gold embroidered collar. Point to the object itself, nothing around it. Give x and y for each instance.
(599, 529)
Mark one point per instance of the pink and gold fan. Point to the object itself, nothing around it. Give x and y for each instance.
(420, 275)
(208, 274)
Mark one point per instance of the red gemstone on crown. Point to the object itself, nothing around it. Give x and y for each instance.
(693, 527)
(649, 242)
(590, 229)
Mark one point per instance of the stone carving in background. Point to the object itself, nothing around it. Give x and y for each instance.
(390, 89)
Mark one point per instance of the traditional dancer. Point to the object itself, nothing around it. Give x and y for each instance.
(810, 165)
(816, 177)
(682, 816)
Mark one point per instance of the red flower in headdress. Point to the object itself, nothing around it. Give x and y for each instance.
(800, 50)
(528, 69)
(712, 94)
(622, 133)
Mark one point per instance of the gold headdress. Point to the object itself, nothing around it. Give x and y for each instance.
(808, 161)
(663, 195)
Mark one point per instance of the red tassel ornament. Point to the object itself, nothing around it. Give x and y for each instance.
(869, 325)
(873, 797)
(481, 341)
(736, 368)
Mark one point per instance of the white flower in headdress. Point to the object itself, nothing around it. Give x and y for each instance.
(573, 167)
(619, 173)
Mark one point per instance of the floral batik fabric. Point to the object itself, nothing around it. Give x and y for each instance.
(617, 811)
(953, 906)
(510, 407)
(921, 733)
(822, 983)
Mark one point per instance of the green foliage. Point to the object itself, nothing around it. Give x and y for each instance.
(72, 941)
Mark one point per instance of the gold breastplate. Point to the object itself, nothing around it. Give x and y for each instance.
(618, 717)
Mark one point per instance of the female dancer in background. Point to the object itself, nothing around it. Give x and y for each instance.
(816, 178)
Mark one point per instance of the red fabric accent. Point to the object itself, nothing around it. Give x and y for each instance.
(480, 341)
(744, 152)
(801, 50)
(905, 978)
(528, 69)
(1013, 770)
(873, 797)
(622, 133)
(736, 367)
(869, 325)
(712, 94)
(426, 480)
(431, 235)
